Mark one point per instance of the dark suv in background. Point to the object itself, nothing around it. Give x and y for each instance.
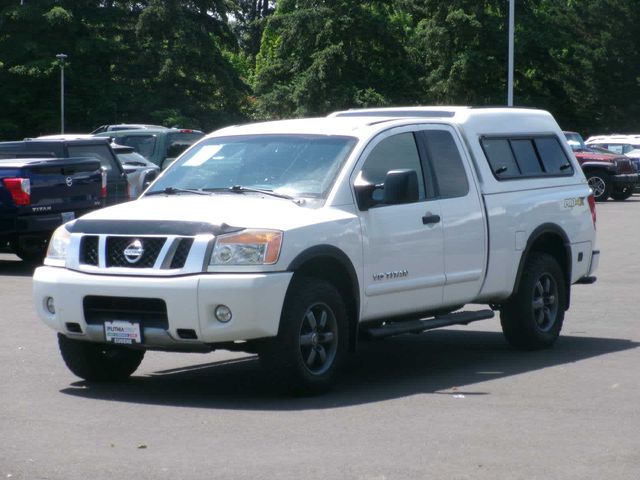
(608, 174)
(160, 146)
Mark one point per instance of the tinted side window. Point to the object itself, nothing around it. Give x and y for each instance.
(526, 157)
(498, 152)
(444, 157)
(553, 158)
(394, 153)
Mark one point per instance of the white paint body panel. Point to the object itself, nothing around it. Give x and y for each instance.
(471, 256)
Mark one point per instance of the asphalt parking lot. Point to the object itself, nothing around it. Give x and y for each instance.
(456, 403)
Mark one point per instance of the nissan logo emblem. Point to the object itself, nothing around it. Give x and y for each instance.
(69, 181)
(133, 252)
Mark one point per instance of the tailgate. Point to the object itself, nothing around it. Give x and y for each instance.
(61, 185)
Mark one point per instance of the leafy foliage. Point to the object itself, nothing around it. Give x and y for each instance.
(207, 63)
(321, 55)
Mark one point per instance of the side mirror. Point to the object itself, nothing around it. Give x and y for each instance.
(401, 186)
(364, 195)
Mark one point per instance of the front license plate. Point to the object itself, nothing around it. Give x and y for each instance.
(67, 216)
(127, 333)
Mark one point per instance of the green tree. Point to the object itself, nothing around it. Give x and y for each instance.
(460, 51)
(185, 76)
(610, 31)
(318, 55)
(144, 61)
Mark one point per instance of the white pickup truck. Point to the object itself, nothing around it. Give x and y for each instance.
(295, 239)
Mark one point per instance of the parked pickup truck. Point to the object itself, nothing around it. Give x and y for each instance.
(38, 195)
(67, 146)
(296, 239)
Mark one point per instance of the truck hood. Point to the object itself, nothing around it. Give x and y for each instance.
(235, 210)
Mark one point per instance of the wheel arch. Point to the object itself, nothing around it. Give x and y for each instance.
(331, 264)
(551, 239)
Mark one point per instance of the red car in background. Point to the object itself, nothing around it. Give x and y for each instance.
(608, 174)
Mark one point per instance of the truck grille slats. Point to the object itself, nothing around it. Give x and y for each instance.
(141, 252)
(180, 255)
(89, 250)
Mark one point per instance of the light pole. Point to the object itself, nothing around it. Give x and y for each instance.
(61, 57)
(511, 48)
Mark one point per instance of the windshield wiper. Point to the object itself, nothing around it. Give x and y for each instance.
(241, 189)
(175, 191)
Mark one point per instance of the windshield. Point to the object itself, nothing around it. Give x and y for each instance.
(575, 141)
(293, 165)
(132, 158)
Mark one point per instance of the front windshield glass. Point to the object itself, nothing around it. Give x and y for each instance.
(575, 141)
(294, 165)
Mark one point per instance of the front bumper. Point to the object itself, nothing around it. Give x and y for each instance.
(255, 301)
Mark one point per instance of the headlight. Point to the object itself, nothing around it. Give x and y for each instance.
(248, 247)
(57, 250)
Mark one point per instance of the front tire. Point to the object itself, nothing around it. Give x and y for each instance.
(533, 317)
(98, 362)
(311, 344)
(622, 195)
(600, 184)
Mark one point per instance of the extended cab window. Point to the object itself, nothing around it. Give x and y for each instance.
(526, 157)
(444, 158)
(393, 153)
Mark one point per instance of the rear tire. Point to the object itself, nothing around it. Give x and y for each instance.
(312, 341)
(600, 184)
(533, 317)
(99, 362)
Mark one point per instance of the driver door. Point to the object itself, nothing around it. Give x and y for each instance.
(402, 244)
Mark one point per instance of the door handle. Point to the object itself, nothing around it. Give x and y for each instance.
(429, 219)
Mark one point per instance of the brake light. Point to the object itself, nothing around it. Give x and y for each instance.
(20, 190)
(592, 206)
(185, 130)
(103, 189)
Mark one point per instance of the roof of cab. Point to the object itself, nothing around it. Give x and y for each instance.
(361, 122)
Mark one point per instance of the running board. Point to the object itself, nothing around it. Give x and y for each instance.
(419, 326)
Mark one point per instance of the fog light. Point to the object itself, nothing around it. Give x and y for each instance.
(50, 305)
(223, 313)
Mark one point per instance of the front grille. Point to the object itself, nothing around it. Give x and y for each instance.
(89, 250)
(145, 257)
(134, 252)
(149, 312)
(181, 253)
(625, 166)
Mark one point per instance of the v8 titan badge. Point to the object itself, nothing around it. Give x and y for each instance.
(124, 333)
